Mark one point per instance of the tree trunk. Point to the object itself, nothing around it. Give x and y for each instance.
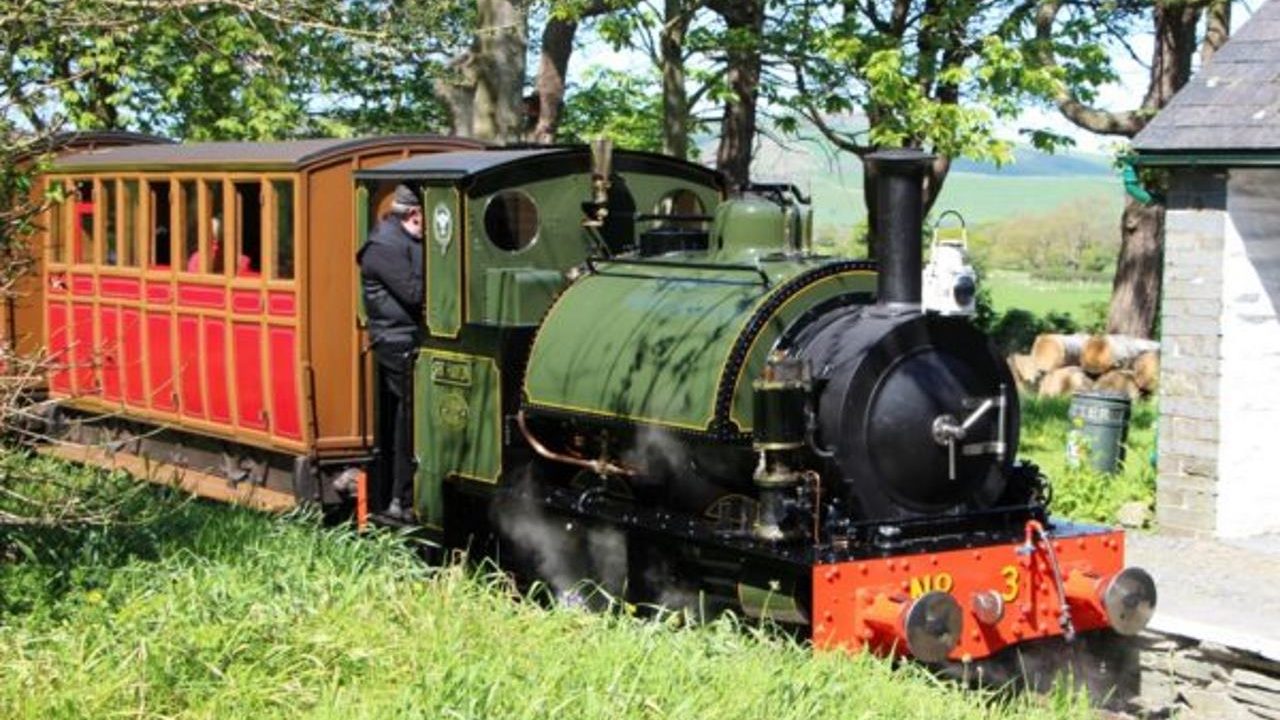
(1135, 293)
(557, 46)
(675, 96)
(745, 22)
(483, 94)
(501, 41)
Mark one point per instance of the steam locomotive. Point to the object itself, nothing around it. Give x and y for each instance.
(614, 345)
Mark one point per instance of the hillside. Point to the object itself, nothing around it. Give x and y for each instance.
(1035, 183)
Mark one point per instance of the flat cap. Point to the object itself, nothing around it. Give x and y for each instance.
(406, 196)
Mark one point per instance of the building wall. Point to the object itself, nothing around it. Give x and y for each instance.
(1220, 376)
(1249, 389)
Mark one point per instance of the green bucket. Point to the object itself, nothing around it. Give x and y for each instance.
(1099, 427)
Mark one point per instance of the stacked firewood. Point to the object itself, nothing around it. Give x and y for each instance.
(1067, 364)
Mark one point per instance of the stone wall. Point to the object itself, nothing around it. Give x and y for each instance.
(1191, 308)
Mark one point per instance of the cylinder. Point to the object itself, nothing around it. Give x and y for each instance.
(900, 223)
(1099, 426)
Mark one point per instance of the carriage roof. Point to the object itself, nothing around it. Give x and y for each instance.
(278, 155)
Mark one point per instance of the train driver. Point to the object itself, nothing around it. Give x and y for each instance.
(391, 276)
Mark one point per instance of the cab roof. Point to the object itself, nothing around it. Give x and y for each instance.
(480, 171)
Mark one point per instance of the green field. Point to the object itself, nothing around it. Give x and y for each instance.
(1011, 290)
(182, 609)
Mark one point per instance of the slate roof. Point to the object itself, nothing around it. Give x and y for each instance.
(1233, 103)
(287, 153)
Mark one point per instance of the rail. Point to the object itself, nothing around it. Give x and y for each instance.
(682, 264)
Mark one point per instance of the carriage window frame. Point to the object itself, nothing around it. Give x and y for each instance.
(150, 227)
(489, 207)
(56, 222)
(185, 225)
(129, 199)
(235, 225)
(274, 242)
(77, 227)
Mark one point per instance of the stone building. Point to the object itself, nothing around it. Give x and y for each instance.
(1219, 436)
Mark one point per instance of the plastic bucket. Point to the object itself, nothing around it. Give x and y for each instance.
(1099, 427)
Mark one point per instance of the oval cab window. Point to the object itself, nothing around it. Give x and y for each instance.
(511, 220)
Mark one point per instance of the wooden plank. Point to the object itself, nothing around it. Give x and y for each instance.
(197, 483)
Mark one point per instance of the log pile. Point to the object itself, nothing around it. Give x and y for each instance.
(1066, 364)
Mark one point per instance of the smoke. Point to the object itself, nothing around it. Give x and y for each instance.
(657, 454)
(583, 564)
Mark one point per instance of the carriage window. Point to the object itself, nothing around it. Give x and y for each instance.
(283, 192)
(190, 226)
(217, 230)
(249, 228)
(129, 232)
(161, 224)
(82, 224)
(57, 221)
(110, 233)
(511, 220)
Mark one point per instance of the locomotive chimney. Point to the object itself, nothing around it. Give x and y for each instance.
(900, 222)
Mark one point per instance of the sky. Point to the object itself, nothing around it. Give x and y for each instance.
(1119, 95)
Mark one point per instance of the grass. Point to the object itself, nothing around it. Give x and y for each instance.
(1081, 493)
(1011, 289)
(192, 610)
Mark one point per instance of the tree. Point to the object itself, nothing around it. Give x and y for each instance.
(483, 86)
(1135, 296)
(919, 73)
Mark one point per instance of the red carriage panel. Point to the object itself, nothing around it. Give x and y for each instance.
(84, 377)
(122, 288)
(160, 356)
(59, 334)
(284, 382)
(131, 357)
(282, 304)
(191, 398)
(251, 409)
(246, 302)
(109, 352)
(215, 363)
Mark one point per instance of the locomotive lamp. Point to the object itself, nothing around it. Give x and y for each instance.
(950, 281)
(781, 404)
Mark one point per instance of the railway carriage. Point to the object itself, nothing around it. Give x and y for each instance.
(205, 292)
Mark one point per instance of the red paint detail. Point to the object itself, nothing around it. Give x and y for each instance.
(215, 363)
(202, 296)
(247, 348)
(120, 287)
(284, 383)
(159, 293)
(59, 335)
(246, 302)
(282, 304)
(131, 347)
(82, 285)
(874, 595)
(83, 375)
(109, 352)
(160, 357)
(191, 398)
(362, 501)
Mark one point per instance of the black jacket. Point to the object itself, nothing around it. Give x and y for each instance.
(391, 276)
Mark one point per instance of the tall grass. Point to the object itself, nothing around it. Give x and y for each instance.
(207, 611)
(1081, 493)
